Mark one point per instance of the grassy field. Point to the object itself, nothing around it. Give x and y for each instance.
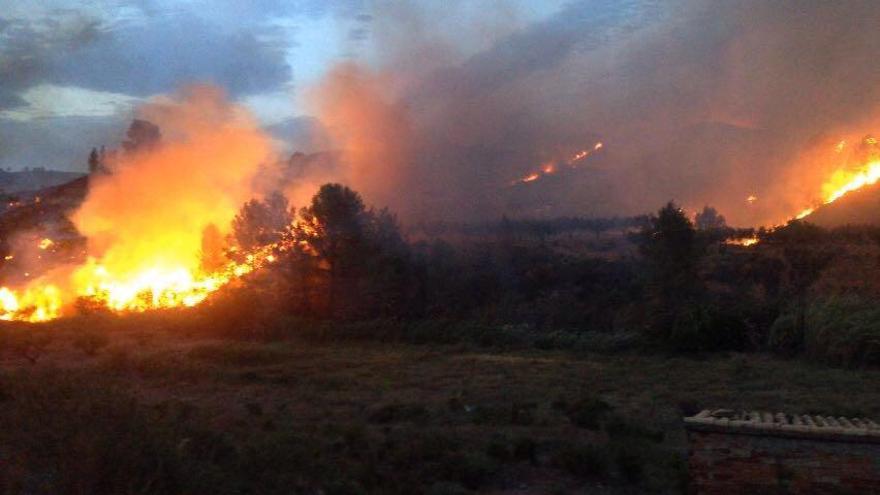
(107, 409)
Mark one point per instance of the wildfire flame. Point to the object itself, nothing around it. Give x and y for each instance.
(551, 167)
(743, 241)
(846, 180)
(145, 222)
(840, 183)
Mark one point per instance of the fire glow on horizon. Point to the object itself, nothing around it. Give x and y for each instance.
(840, 183)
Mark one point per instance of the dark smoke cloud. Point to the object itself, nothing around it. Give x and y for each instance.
(153, 57)
(150, 55)
(28, 48)
(698, 101)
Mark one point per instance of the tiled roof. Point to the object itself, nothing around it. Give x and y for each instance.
(758, 422)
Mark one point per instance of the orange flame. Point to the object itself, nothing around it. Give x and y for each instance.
(550, 168)
(742, 241)
(846, 180)
(144, 222)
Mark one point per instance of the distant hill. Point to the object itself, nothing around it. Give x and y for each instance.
(43, 209)
(33, 179)
(861, 207)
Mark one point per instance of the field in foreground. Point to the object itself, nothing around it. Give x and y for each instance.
(156, 411)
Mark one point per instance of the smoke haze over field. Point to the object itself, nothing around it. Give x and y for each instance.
(437, 113)
(702, 102)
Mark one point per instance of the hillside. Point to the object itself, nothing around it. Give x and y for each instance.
(861, 207)
(33, 179)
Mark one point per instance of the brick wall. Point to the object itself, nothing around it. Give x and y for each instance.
(731, 462)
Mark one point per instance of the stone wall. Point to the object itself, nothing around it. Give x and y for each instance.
(731, 457)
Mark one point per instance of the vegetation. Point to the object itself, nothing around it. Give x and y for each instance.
(657, 282)
(165, 407)
(557, 355)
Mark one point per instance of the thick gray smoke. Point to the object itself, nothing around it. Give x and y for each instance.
(697, 101)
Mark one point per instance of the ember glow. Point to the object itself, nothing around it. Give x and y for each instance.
(145, 220)
(552, 167)
(742, 241)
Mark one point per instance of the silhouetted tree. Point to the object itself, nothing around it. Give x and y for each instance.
(365, 258)
(670, 248)
(141, 135)
(337, 221)
(261, 222)
(94, 161)
(806, 253)
(669, 245)
(710, 219)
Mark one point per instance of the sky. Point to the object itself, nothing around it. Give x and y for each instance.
(71, 72)
(439, 107)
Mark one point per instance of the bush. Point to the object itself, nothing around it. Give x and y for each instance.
(786, 337)
(471, 469)
(843, 330)
(91, 342)
(588, 412)
(705, 327)
(583, 460)
(447, 488)
(629, 465)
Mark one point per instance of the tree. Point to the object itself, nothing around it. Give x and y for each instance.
(671, 250)
(94, 161)
(710, 219)
(335, 224)
(806, 253)
(366, 261)
(261, 222)
(670, 246)
(142, 135)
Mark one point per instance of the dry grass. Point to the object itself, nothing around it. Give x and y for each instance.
(384, 418)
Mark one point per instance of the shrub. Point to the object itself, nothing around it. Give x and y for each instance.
(707, 328)
(397, 412)
(471, 469)
(843, 330)
(447, 488)
(524, 448)
(629, 465)
(786, 336)
(583, 460)
(25, 342)
(90, 342)
(588, 412)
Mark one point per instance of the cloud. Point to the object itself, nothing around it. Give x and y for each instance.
(156, 56)
(27, 48)
(59, 63)
(50, 101)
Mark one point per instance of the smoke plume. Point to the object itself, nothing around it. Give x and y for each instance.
(701, 102)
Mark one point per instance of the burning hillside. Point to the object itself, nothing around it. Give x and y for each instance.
(146, 220)
(857, 168)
